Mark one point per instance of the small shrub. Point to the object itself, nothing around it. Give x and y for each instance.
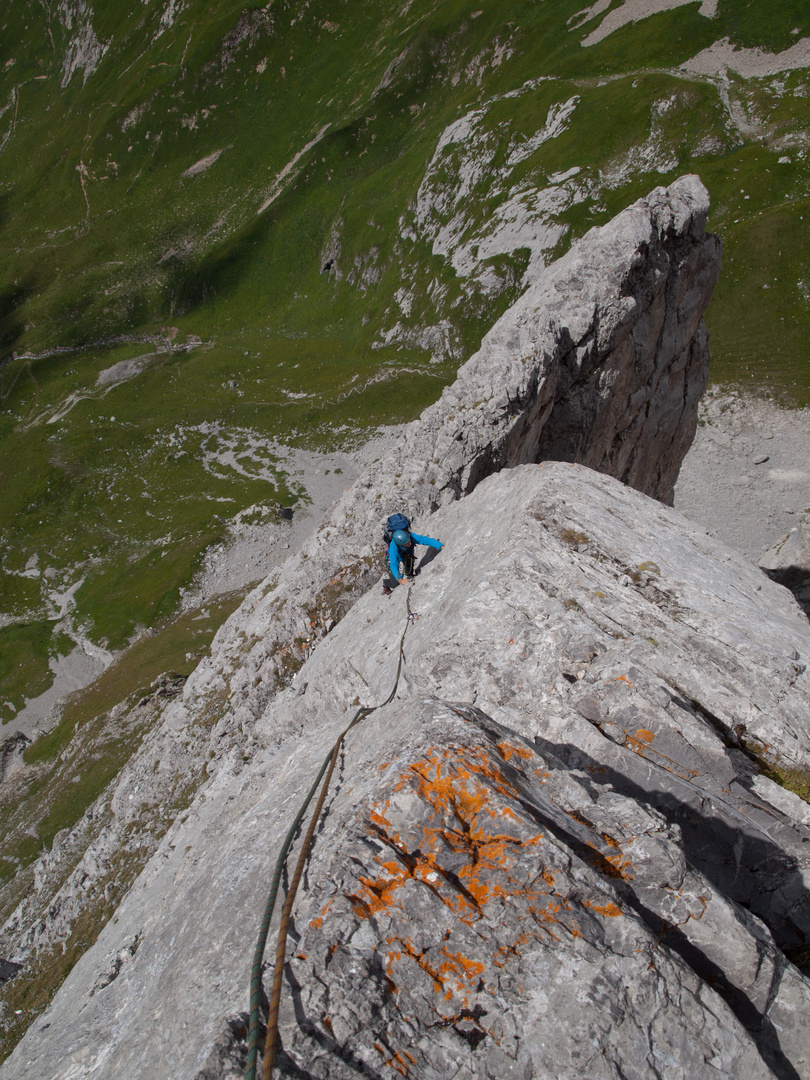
(574, 538)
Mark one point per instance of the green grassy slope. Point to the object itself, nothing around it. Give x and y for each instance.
(246, 204)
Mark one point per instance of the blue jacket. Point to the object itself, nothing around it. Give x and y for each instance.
(395, 553)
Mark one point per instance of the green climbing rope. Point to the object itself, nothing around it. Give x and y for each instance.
(281, 944)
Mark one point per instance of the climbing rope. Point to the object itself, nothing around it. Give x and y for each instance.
(281, 941)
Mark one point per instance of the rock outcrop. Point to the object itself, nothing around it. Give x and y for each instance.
(788, 561)
(601, 362)
(554, 854)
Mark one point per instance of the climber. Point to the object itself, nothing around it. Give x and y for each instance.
(401, 547)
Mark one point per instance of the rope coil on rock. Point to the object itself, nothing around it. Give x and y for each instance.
(281, 941)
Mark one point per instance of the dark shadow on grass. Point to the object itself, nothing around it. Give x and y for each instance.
(12, 326)
(217, 273)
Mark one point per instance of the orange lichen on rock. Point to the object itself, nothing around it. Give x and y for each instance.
(437, 776)
(508, 952)
(457, 966)
(551, 912)
(452, 974)
(376, 895)
(455, 824)
(379, 819)
(610, 909)
(317, 922)
(401, 1062)
(474, 812)
(641, 744)
(622, 865)
(510, 750)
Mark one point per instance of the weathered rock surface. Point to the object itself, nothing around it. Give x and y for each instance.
(746, 479)
(602, 361)
(552, 855)
(788, 561)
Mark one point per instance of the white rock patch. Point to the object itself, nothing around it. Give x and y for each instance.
(750, 63)
(633, 11)
(203, 164)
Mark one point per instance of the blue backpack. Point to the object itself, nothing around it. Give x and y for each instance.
(394, 523)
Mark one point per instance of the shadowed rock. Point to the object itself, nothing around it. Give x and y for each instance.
(788, 562)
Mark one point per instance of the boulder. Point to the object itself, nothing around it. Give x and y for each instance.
(788, 561)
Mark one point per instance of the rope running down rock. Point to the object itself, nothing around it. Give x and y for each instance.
(281, 941)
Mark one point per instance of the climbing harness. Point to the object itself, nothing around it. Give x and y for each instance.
(281, 941)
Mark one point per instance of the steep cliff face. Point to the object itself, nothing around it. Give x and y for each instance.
(552, 855)
(612, 339)
(602, 361)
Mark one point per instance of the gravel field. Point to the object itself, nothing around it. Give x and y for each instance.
(746, 479)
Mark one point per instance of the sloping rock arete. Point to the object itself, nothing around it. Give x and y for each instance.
(554, 853)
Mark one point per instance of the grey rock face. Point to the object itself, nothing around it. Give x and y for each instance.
(602, 361)
(481, 917)
(608, 345)
(552, 855)
(788, 561)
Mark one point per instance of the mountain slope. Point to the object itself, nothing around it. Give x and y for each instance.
(228, 225)
(553, 851)
(609, 339)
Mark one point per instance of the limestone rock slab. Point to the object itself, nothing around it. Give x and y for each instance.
(552, 855)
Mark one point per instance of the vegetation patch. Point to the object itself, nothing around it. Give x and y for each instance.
(574, 538)
(69, 767)
(795, 780)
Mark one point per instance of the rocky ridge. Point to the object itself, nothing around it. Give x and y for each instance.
(553, 853)
(602, 361)
(608, 341)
